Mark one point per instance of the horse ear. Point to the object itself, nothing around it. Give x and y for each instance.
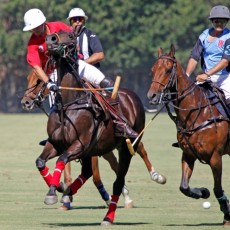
(172, 51)
(160, 52)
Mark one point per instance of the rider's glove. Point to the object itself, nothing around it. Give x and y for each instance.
(52, 86)
(81, 56)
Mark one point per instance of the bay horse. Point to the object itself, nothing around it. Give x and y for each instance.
(80, 127)
(36, 94)
(202, 131)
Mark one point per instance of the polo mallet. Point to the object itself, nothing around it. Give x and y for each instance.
(128, 141)
(116, 87)
(84, 89)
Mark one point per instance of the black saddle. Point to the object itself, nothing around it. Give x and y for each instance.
(216, 97)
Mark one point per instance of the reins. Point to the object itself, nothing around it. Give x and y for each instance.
(180, 95)
(39, 97)
(24, 90)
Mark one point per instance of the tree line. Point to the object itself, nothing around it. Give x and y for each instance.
(130, 32)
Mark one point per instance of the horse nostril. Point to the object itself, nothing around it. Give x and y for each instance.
(25, 104)
(153, 100)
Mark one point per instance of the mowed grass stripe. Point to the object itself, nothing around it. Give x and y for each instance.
(158, 207)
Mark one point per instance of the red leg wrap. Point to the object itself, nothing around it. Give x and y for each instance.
(112, 208)
(77, 184)
(57, 173)
(46, 175)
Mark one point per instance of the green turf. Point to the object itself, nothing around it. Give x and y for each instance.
(158, 207)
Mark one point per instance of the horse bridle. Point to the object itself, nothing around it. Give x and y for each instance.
(166, 96)
(165, 93)
(39, 96)
(173, 83)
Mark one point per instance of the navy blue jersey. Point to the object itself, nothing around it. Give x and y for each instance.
(89, 44)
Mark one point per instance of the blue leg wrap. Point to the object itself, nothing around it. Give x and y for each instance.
(103, 192)
(224, 204)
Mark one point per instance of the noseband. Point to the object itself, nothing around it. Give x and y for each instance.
(172, 79)
(165, 93)
(38, 97)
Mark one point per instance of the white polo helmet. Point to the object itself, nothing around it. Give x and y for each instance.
(77, 12)
(33, 18)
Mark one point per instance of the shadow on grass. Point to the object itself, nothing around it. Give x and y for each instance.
(194, 225)
(93, 224)
(103, 207)
(92, 207)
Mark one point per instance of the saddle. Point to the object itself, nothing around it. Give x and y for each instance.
(217, 98)
(99, 102)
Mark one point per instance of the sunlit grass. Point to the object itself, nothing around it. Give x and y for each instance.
(158, 207)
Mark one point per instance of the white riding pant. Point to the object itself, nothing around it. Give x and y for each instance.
(53, 78)
(89, 72)
(222, 81)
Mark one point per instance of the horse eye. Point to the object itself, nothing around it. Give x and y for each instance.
(38, 81)
(169, 71)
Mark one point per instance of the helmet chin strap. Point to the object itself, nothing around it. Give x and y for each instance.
(44, 29)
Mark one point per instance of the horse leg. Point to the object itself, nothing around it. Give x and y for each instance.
(51, 196)
(97, 181)
(112, 160)
(67, 174)
(67, 182)
(187, 169)
(123, 166)
(86, 173)
(155, 176)
(216, 166)
(48, 153)
(73, 151)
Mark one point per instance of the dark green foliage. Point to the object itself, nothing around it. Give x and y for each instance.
(130, 31)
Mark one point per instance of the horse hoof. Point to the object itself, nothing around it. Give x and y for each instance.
(49, 200)
(108, 201)
(128, 204)
(65, 207)
(205, 193)
(160, 179)
(62, 187)
(226, 222)
(106, 223)
(66, 199)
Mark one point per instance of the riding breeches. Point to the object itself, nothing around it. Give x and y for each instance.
(85, 70)
(222, 81)
(53, 78)
(90, 72)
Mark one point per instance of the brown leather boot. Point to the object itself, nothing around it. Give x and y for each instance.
(122, 129)
(106, 82)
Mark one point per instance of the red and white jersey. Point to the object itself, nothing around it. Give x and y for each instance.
(37, 51)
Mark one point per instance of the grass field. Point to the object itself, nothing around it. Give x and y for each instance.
(158, 207)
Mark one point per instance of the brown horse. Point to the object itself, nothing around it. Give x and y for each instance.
(202, 132)
(34, 96)
(81, 127)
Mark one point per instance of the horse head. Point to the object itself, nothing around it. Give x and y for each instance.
(36, 92)
(163, 77)
(59, 44)
(62, 47)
